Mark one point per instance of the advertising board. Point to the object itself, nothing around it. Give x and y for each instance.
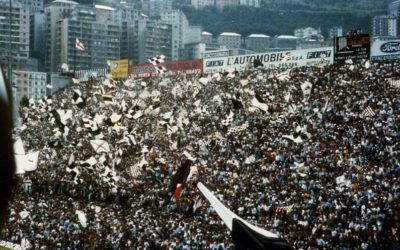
(215, 53)
(352, 47)
(119, 68)
(385, 50)
(271, 60)
(174, 68)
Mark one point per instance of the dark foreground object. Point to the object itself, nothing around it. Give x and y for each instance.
(7, 164)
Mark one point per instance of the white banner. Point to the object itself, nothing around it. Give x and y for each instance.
(271, 60)
(385, 50)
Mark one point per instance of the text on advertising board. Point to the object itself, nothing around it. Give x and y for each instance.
(390, 47)
(291, 58)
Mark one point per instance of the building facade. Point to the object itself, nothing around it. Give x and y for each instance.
(180, 26)
(30, 84)
(394, 8)
(37, 35)
(285, 42)
(230, 40)
(155, 38)
(335, 31)
(200, 4)
(32, 5)
(54, 13)
(154, 8)
(97, 28)
(19, 44)
(384, 25)
(258, 42)
(220, 4)
(250, 3)
(206, 37)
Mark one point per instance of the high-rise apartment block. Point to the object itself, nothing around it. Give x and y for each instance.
(97, 28)
(180, 25)
(55, 12)
(384, 25)
(250, 3)
(32, 5)
(30, 84)
(154, 8)
(394, 8)
(220, 4)
(200, 4)
(155, 38)
(335, 31)
(387, 25)
(14, 38)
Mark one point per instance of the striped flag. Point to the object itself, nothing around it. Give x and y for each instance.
(79, 45)
(136, 171)
(368, 112)
(395, 83)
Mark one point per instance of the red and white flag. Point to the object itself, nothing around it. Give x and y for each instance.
(79, 45)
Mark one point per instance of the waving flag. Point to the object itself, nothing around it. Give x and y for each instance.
(244, 235)
(79, 45)
(368, 112)
(157, 60)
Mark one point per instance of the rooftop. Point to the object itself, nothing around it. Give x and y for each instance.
(104, 7)
(229, 34)
(258, 36)
(287, 37)
(64, 1)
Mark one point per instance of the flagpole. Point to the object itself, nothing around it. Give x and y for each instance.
(75, 57)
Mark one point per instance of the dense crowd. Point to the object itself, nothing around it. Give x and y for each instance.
(290, 150)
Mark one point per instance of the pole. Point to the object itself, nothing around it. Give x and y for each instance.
(74, 56)
(10, 58)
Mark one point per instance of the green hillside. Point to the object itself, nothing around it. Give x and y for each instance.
(246, 20)
(276, 17)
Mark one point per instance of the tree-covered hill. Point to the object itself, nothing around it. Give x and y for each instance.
(276, 17)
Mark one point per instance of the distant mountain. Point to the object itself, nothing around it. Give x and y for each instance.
(277, 17)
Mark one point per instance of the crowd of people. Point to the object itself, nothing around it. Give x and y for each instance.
(293, 151)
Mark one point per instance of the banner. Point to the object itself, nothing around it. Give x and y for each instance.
(173, 68)
(215, 53)
(352, 47)
(119, 68)
(272, 60)
(385, 50)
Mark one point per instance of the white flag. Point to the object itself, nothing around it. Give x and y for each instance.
(79, 45)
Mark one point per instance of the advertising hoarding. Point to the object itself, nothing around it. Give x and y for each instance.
(119, 68)
(271, 60)
(215, 53)
(385, 50)
(174, 68)
(352, 47)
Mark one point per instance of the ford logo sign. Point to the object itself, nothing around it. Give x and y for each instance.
(390, 47)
